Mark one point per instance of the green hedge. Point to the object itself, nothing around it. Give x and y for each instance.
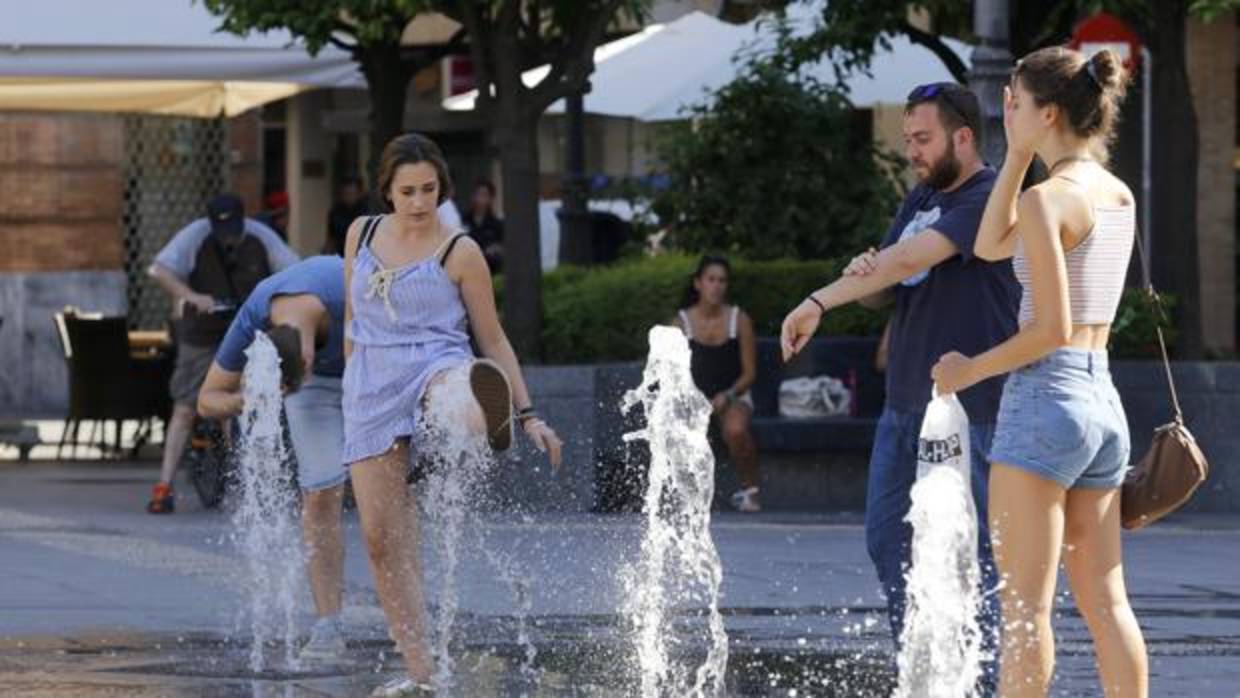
(604, 314)
(1133, 334)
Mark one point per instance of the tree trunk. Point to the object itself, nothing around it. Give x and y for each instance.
(516, 142)
(1174, 187)
(387, 77)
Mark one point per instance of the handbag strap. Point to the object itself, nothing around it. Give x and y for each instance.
(1159, 319)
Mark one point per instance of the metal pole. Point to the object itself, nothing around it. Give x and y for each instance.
(1147, 181)
(576, 241)
(992, 64)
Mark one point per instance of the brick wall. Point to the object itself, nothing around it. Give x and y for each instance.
(245, 152)
(1213, 59)
(60, 181)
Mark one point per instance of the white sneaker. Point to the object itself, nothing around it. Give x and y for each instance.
(746, 500)
(402, 687)
(326, 641)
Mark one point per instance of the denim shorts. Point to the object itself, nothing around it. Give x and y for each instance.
(1061, 419)
(316, 427)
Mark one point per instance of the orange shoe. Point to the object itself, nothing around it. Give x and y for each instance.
(162, 500)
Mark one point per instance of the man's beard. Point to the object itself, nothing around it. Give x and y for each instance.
(944, 172)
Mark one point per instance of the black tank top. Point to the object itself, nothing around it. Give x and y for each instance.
(715, 367)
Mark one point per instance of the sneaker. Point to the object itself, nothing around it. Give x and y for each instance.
(402, 687)
(162, 499)
(494, 396)
(746, 500)
(326, 641)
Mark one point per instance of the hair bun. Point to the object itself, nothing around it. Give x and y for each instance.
(1108, 70)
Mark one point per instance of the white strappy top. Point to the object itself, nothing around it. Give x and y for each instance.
(1096, 267)
(732, 318)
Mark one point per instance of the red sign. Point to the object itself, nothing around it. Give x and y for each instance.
(460, 75)
(1104, 31)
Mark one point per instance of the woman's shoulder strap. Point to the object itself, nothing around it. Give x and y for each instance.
(368, 231)
(685, 324)
(448, 245)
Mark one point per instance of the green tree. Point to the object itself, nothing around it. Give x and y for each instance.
(369, 30)
(506, 36)
(851, 32)
(776, 165)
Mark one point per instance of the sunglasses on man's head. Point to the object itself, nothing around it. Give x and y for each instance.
(939, 93)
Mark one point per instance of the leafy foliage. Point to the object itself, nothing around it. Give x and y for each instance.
(604, 315)
(1210, 10)
(850, 32)
(778, 166)
(1134, 332)
(366, 22)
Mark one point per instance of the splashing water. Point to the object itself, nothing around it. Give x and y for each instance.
(679, 564)
(459, 460)
(509, 571)
(940, 655)
(264, 522)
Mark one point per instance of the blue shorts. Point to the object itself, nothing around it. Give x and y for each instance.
(1061, 419)
(316, 428)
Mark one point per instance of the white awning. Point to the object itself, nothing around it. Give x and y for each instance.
(654, 74)
(152, 56)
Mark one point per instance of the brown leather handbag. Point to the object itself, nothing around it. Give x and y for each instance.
(1174, 466)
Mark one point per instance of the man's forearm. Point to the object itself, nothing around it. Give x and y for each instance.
(169, 282)
(219, 403)
(872, 286)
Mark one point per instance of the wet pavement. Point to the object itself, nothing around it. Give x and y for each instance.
(98, 598)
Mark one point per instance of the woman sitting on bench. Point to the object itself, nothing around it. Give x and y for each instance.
(724, 366)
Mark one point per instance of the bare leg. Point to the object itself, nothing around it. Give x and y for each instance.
(179, 425)
(449, 402)
(740, 443)
(322, 532)
(1093, 559)
(1026, 531)
(389, 519)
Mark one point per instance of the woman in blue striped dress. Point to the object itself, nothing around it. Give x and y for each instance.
(414, 289)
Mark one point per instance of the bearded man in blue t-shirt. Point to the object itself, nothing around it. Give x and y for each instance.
(945, 300)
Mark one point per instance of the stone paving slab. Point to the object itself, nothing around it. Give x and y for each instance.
(98, 598)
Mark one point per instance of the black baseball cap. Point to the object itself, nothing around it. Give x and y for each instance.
(226, 214)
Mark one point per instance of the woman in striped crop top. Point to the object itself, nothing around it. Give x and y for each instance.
(1061, 444)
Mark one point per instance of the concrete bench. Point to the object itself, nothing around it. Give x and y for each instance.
(850, 359)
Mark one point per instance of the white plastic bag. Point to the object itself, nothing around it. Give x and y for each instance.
(944, 439)
(940, 654)
(814, 396)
